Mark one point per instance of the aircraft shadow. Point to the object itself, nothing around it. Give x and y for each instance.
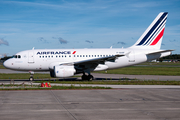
(95, 79)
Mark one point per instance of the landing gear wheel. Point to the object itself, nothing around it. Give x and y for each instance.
(84, 77)
(31, 78)
(87, 77)
(90, 77)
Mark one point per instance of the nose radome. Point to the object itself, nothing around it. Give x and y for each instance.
(6, 64)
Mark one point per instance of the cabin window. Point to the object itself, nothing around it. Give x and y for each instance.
(74, 55)
(69, 55)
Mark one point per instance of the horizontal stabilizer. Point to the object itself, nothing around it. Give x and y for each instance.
(162, 51)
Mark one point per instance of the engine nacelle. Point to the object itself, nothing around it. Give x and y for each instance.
(64, 71)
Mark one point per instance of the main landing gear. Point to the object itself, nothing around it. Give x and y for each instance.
(87, 77)
(31, 75)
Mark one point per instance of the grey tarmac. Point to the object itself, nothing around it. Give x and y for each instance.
(114, 104)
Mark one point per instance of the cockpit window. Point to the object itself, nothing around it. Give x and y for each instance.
(17, 56)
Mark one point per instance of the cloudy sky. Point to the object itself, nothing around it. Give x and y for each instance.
(52, 24)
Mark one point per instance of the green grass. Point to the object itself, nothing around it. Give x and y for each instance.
(161, 63)
(23, 76)
(2, 67)
(120, 82)
(147, 70)
(26, 76)
(26, 87)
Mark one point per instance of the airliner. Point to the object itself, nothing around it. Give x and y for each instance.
(68, 62)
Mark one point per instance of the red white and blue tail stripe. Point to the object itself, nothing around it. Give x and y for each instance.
(152, 37)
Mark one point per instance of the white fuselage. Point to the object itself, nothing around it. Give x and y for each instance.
(45, 59)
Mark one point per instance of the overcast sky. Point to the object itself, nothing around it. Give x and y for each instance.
(56, 24)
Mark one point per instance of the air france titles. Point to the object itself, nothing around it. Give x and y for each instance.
(53, 52)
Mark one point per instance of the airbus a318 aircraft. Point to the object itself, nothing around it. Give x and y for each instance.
(68, 62)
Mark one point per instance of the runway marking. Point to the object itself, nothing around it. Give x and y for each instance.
(60, 103)
(86, 110)
(72, 103)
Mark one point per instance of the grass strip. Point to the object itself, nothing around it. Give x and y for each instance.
(148, 70)
(52, 88)
(120, 82)
(2, 67)
(23, 76)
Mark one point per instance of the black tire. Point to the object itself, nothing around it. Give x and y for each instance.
(90, 77)
(31, 78)
(84, 77)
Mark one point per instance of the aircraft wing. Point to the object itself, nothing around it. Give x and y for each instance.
(91, 64)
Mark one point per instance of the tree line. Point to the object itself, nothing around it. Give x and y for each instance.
(172, 57)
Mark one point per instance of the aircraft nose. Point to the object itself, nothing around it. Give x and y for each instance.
(7, 64)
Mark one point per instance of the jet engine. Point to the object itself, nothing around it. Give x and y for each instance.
(64, 71)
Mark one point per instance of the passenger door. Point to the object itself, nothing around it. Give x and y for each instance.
(31, 57)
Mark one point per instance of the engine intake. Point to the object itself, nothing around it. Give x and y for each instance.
(64, 71)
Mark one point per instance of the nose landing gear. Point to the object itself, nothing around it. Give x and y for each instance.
(31, 75)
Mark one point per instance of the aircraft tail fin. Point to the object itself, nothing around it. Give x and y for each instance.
(152, 37)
